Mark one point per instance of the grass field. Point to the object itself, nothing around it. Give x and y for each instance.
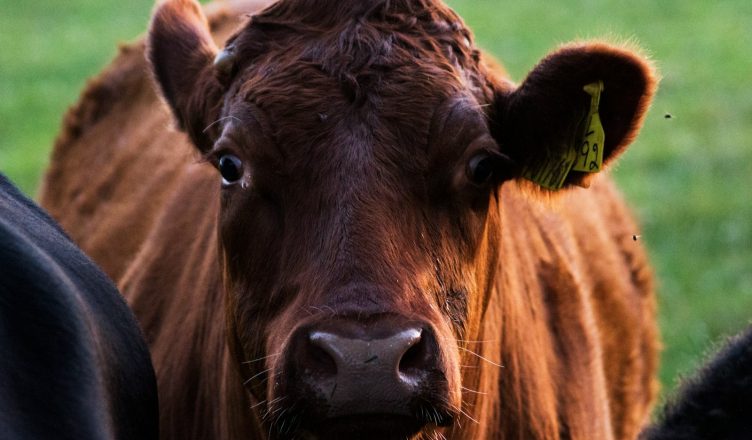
(689, 177)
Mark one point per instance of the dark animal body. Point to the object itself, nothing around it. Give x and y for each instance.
(73, 362)
(714, 403)
(372, 264)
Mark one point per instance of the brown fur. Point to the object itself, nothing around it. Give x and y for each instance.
(356, 134)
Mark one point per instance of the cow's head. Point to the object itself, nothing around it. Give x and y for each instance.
(361, 147)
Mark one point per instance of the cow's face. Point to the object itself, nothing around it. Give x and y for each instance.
(360, 151)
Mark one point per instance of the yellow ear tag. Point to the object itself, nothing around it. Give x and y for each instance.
(590, 150)
(552, 171)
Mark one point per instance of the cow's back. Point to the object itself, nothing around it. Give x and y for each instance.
(102, 162)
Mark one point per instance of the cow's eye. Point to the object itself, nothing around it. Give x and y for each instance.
(231, 169)
(486, 167)
(481, 168)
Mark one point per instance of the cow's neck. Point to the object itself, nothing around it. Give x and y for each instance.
(537, 342)
(182, 313)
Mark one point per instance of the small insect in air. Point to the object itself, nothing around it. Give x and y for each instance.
(636, 237)
(668, 116)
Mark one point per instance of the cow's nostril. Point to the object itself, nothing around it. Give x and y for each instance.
(414, 358)
(320, 360)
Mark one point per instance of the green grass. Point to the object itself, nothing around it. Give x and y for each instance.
(47, 50)
(689, 177)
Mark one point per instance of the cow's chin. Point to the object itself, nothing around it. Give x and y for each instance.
(373, 426)
(307, 413)
(304, 411)
(366, 426)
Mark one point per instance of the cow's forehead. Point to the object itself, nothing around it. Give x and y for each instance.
(417, 16)
(383, 67)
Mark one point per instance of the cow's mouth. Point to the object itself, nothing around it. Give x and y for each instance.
(318, 420)
(315, 418)
(368, 427)
(376, 426)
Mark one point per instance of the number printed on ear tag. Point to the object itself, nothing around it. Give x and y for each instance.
(590, 150)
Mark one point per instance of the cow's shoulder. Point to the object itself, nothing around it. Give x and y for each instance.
(575, 255)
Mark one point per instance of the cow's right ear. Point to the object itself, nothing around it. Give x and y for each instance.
(575, 113)
(181, 53)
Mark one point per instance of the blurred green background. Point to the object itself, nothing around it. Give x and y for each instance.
(689, 177)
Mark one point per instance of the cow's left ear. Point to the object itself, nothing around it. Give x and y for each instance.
(576, 111)
(183, 59)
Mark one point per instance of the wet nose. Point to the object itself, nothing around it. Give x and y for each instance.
(392, 356)
(367, 370)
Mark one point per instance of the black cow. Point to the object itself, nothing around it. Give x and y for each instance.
(73, 362)
(714, 404)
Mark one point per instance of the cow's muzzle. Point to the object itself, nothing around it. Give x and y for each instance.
(381, 378)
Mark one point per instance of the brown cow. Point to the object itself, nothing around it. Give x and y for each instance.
(369, 260)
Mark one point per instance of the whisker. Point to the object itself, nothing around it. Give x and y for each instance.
(256, 405)
(218, 121)
(468, 416)
(470, 341)
(473, 105)
(473, 391)
(256, 375)
(261, 358)
(279, 417)
(269, 406)
(278, 409)
(323, 309)
(481, 357)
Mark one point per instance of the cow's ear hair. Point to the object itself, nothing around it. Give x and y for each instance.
(181, 54)
(541, 122)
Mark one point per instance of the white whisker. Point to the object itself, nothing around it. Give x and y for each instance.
(470, 341)
(256, 375)
(481, 357)
(261, 358)
(468, 416)
(473, 391)
(218, 121)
